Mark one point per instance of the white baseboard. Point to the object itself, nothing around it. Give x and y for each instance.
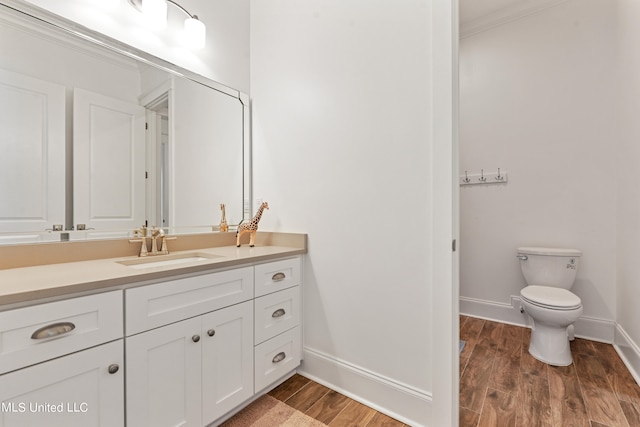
(500, 312)
(628, 351)
(585, 327)
(400, 401)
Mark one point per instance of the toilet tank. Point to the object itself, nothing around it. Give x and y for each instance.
(554, 267)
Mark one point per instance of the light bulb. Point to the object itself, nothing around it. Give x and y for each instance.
(195, 33)
(155, 13)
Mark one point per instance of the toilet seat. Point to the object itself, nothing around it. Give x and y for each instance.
(551, 298)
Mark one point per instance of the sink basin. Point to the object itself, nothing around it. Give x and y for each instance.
(167, 260)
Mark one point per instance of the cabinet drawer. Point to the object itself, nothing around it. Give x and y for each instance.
(276, 357)
(33, 334)
(152, 306)
(276, 313)
(278, 275)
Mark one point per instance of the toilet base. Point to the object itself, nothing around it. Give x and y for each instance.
(550, 344)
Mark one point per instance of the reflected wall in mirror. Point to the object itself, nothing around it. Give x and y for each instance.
(94, 138)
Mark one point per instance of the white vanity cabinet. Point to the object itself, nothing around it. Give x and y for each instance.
(198, 347)
(277, 334)
(186, 345)
(62, 363)
(193, 371)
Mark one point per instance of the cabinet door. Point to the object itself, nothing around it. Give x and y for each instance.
(164, 376)
(75, 390)
(227, 359)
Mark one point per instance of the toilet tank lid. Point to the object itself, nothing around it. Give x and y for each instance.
(549, 251)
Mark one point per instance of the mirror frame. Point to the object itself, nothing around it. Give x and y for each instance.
(45, 22)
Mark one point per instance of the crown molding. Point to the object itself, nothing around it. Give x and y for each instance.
(506, 15)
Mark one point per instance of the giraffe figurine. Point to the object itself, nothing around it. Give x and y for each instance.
(251, 227)
(223, 221)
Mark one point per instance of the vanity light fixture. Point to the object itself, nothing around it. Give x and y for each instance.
(155, 12)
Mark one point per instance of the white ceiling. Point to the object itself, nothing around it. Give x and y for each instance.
(479, 15)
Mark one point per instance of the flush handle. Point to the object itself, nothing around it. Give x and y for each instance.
(522, 257)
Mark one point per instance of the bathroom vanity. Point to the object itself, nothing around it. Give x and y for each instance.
(141, 342)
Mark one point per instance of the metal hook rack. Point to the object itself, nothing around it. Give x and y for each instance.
(499, 177)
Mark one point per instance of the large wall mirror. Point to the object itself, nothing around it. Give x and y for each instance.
(97, 138)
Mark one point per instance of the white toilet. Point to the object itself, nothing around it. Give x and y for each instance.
(549, 274)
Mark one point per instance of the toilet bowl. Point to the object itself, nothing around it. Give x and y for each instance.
(550, 273)
(552, 311)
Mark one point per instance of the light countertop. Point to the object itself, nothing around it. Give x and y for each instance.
(20, 286)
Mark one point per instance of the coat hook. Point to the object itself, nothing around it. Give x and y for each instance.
(466, 177)
(499, 177)
(482, 178)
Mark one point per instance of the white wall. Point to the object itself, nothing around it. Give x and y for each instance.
(224, 59)
(342, 150)
(628, 291)
(537, 101)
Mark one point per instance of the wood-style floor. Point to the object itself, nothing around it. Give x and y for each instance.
(502, 385)
(329, 406)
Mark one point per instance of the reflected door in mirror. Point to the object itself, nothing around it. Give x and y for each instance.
(32, 159)
(109, 162)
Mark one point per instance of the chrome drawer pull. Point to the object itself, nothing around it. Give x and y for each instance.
(278, 277)
(211, 332)
(279, 357)
(53, 330)
(278, 313)
(195, 338)
(113, 368)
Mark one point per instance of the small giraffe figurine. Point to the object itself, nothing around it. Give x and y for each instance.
(223, 221)
(251, 227)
